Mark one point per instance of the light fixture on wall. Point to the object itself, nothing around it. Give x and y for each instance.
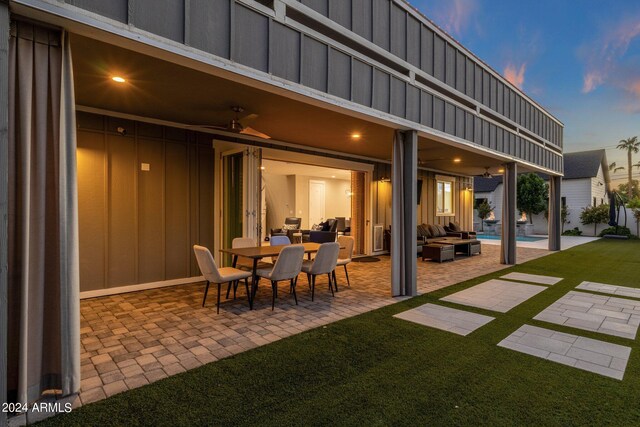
(118, 79)
(385, 178)
(356, 136)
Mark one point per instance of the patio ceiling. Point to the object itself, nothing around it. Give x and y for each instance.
(163, 90)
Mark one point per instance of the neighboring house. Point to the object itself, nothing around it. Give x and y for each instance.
(585, 183)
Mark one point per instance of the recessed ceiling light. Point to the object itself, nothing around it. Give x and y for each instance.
(118, 79)
(500, 170)
(333, 176)
(356, 135)
(262, 168)
(457, 160)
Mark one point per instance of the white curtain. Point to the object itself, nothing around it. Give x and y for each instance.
(43, 322)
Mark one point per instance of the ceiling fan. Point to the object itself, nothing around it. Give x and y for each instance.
(486, 173)
(236, 125)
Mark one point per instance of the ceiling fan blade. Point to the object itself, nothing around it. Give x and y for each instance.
(248, 118)
(253, 132)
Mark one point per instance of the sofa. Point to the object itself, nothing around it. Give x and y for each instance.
(454, 227)
(326, 232)
(430, 233)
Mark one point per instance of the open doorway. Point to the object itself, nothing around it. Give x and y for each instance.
(316, 196)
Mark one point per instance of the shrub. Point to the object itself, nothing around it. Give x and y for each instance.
(574, 232)
(595, 215)
(621, 231)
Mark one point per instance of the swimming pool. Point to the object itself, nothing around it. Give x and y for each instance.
(518, 238)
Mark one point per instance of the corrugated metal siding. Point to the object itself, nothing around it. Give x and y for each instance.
(246, 35)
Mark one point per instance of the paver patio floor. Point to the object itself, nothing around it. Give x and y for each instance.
(495, 295)
(130, 340)
(598, 313)
(533, 278)
(583, 353)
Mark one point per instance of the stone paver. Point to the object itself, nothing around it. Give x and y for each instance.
(598, 313)
(583, 353)
(622, 291)
(533, 278)
(131, 335)
(496, 295)
(445, 318)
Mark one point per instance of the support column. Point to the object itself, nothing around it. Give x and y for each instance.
(555, 209)
(4, 190)
(508, 242)
(404, 181)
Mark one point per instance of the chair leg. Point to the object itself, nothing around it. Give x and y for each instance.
(335, 279)
(274, 287)
(346, 273)
(218, 305)
(206, 290)
(331, 285)
(255, 288)
(293, 288)
(229, 288)
(246, 287)
(309, 280)
(235, 288)
(313, 286)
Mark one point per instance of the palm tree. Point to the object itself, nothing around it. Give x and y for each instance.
(630, 145)
(615, 168)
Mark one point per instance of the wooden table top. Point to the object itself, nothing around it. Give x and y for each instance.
(265, 251)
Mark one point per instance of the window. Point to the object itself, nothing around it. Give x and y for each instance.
(444, 194)
(595, 202)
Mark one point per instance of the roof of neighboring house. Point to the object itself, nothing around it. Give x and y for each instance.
(584, 164)
(578, 165)
(486, 185)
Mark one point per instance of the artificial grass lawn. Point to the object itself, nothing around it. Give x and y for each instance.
(374, 369)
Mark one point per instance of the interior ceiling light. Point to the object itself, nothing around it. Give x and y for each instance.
(501, 170)
(457, 160)
(118, 79)
(356, 135)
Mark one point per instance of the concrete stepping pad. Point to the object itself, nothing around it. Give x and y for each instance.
(495, 295)
(447, 319)
(622, 291)
(533, 278)
(583, 353)
(608, 315)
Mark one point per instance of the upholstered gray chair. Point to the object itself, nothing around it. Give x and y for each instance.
(213, 274)
(287, 267)
(245, 264)
(344, 257)
(324, 263)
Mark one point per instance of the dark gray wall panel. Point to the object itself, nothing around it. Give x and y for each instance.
(209, 26)
(381, 90)
(362, 15)
(450, 118)
(426, 109)
(413, 104)
(285, 52)
(339, 74)
(439, 59)
(398, 97)
(477, 83)
(314, 64)
(492, 136)
(477, 130)
(450, 67)
(162, 17)
(340, 12)
(486, 88)
(493, 93)
(499, 140)
(362, 82)
(426, 50)
(320, 6)
(398, 31)
(461, 72)
(381, 23)
(251, 35)
(468, 131)
(500, 98)
(485, 133)
(438, 113)
(114, 9)
(460, 123)
(413, 41)
(470, 78)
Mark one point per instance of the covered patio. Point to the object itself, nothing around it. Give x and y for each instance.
(129, 340)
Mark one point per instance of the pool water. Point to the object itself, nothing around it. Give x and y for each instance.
(518, 238)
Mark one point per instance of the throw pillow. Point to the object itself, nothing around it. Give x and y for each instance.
(420, 231)
(454, 226)
(442, 232)
(433, 230)
(427, 232)
(290, 227)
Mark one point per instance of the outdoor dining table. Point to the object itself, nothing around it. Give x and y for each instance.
(257, 253)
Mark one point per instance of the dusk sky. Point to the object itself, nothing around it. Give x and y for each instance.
(580, 59)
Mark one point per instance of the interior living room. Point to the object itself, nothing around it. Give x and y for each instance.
(309, 202)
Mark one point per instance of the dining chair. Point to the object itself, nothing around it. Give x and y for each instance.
(287, 267)
(244, 263)
(278, 241)
(344, 257)
(324, 263)
(213, 274)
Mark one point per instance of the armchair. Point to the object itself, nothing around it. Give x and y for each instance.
(291, 225)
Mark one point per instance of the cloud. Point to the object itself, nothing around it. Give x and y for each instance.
(456, 16)
(515, 74)
(603, 56)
